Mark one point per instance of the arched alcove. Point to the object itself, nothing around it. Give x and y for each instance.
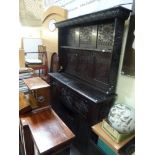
(50, 38)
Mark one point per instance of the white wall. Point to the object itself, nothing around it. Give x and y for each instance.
(28, 32)
(30, 38)
(125, 85)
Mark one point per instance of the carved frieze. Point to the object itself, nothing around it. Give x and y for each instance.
(105, 36)
(81, 106)
(88, 36)
(117, 12)
(85, 35)
(74, 102)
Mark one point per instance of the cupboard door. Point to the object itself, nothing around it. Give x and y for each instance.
(85, 65)
(102, 66)
(93, 149)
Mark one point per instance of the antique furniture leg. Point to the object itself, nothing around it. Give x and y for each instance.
(28, 142)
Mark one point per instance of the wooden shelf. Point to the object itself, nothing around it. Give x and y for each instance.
(86, 49)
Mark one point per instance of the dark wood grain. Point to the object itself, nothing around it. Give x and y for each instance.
(49, 133)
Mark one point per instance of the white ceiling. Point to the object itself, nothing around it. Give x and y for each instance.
(30, 12)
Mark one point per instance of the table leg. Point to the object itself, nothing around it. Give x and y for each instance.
(28, 142)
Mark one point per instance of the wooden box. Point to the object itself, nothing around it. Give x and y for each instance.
(107, 144)
(114, 134)
(42, 96)
(38, 98)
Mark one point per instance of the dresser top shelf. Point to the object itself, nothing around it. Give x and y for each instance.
(85, 49)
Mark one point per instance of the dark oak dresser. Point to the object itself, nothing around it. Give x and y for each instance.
(89, 52)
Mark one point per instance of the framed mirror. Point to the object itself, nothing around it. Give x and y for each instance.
(128, 67)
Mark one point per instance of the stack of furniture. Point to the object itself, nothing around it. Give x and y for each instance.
(24, 73)
(42, 132)
(39, 92)
(40, 64)
(102, 143)
(21, 58)
(89, 52)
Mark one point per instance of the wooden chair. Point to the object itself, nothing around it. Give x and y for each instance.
(54, 67)
(40, 64)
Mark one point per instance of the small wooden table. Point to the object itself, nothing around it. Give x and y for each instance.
(45, 133)
(36, 83)
(39, 92)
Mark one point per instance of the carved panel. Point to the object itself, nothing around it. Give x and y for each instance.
(105, 36)
(88, 36)
(73, 102)
(85, 35)
(81, 106)
(67, 98)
